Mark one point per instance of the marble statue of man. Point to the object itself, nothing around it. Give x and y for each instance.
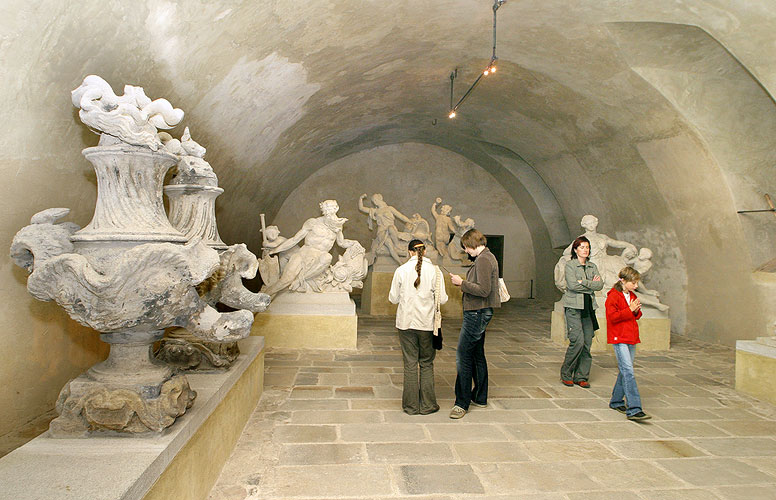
(313, 258)
(387, 235)
(444, 229)
(599, 244)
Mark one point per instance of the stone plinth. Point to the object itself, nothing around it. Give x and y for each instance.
(374, 298)
(163, 466)
(756, 368)
(655, 333)
(309, 320)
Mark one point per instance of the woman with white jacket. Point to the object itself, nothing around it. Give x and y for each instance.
(412, 289)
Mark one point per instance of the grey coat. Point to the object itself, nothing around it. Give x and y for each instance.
(574, 295)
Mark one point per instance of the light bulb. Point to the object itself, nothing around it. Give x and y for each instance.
(493, 69)
(485, 73)
(451, 115)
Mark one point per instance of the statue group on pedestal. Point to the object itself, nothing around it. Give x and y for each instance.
(286, 266)
(610, 265)
(445, 242)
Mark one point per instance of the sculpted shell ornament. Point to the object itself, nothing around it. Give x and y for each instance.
(150, 285)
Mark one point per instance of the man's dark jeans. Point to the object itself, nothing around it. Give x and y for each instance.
(470, 359)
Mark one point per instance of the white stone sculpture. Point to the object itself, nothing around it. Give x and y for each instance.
(417, 228)
(444, 230)
(192, 194)
(133, 117)
(454, 249)
(609, 265)
(128, 274)
(308, 268)
(388, 238)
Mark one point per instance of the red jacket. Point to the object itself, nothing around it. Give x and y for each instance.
(621, 326)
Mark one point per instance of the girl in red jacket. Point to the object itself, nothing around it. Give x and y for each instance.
(623, 308)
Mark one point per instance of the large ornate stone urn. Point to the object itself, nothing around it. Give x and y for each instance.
(129, 274)
(192, 197)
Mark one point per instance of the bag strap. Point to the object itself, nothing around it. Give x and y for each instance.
(437, 292)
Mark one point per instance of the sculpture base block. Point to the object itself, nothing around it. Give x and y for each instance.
(309, 321)
(164, 466)
(756, 369)
(374, 298)
(655, 333)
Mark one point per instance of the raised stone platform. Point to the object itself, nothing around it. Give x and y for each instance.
(309, 320)
(756, 368)
(374, 298)
(150, 468)
(655, 333)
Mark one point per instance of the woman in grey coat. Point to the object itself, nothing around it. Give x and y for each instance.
(582, 281)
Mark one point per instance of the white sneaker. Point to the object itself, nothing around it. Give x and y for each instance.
(457, 412)
(473, 403)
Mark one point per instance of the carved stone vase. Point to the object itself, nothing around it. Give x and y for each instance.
(192, 202)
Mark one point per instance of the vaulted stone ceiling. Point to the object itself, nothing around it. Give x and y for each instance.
(656, 116)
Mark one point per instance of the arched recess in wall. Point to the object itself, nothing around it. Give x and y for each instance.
(410, 175)
(718, 164)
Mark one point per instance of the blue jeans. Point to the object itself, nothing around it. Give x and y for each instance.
(470, 359)
(626, 387)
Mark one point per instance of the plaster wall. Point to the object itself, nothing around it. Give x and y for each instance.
(410, 177)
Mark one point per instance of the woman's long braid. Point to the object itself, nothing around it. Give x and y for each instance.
(421, 250)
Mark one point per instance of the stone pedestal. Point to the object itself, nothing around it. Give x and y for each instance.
(374, 298)
(655, 333)
(309, 320)
(184, 462)
(756, 368)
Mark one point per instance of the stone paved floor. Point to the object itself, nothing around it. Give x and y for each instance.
(330, 425)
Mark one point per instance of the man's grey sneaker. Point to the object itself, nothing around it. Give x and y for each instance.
(621, 409)
(478, 405)
(457, 412)
(639, 416)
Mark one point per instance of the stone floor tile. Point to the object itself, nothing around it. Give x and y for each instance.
(689, 428)
(568, 451)
(673, 413)
(311, 392)
(424, 479)
(737, 447)
(353, 392)
(336, 417)
(747, 427)
(492, 415)
(333, 379)
(765, 464)
(631, 474)
(313, 404)
(522, 404)
(375, 404)
(715, 471)
(678, 494)
(374, 433)
(464, 432)
(659, 448)
(399, 416)
(611, 430)
(532, 477)
(491, 452)
(533, 432)
(305, 433)
(368, 481)
(320, 454)
(561, 416)
(409, 453)
(603, 495)
(746, 492)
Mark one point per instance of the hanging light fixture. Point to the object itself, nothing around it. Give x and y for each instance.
(491, 69)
